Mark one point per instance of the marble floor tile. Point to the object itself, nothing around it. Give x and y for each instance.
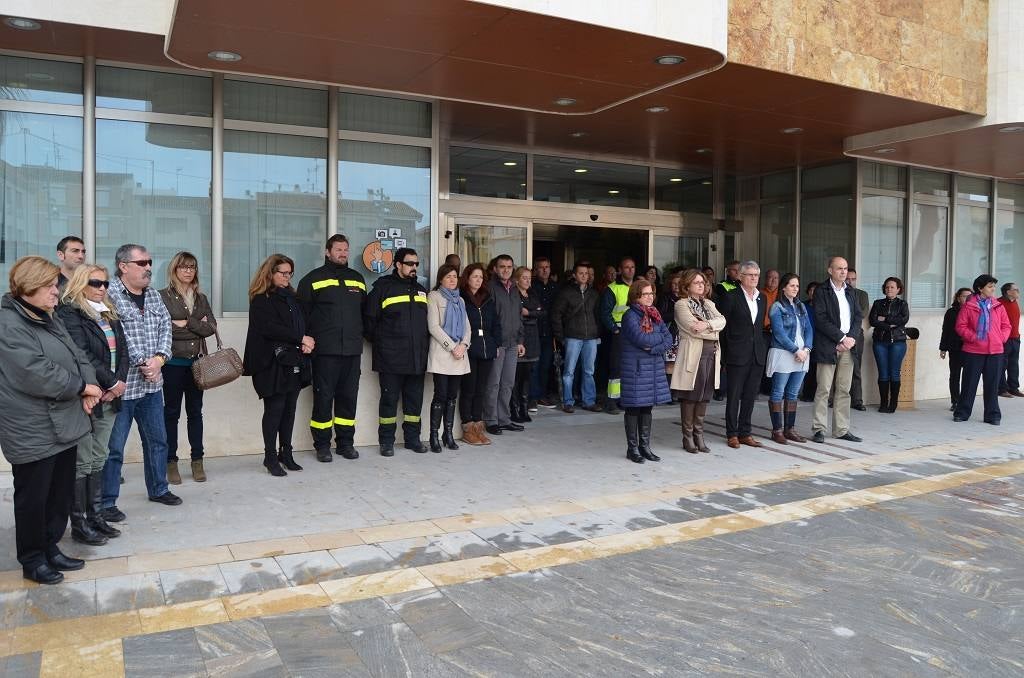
(12, 605)
(441, 625)
(465, 544)
(361, 614)
(263, 664)
(310, 643)
(19, 665)
(248, 576)
(551, 530)
(192, 583)
(395, 650)
(415, 551)
(591, 524)
(483, 600)
(128, 592)
(508, 538)
(635, 517)
(244, 637)
(309, 568)
(64, 601)
(174, 654)
(364, 559)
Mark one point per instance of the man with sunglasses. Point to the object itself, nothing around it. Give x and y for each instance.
(396, 324)
(147, 329)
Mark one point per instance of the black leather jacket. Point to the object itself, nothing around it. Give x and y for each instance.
(896, 313)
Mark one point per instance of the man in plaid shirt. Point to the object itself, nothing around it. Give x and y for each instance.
(147, 327)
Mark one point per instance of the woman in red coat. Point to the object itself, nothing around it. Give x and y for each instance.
(984, 327)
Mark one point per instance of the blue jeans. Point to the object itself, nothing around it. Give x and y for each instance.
(889, 358)
(148, 412)
(574, 350)
(541, 370)
(786, 385)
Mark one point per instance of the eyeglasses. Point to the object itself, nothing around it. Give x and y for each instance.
(647, 294)
(98, 283)
(286, 274)
(413, 264)
(187, 267)
(142, 263)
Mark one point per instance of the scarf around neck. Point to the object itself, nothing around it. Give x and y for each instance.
(650, 317)
(985, 304)
(454, 323)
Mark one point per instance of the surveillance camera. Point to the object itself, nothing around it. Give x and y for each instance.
(593, 217)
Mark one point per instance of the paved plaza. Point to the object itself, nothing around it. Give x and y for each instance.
(548, 554)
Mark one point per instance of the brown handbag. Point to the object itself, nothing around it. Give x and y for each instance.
(221, 367)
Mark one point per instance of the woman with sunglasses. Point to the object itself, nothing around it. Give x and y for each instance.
(192, 322)
(90, 319)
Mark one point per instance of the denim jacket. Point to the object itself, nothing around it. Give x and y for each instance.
(783, 316)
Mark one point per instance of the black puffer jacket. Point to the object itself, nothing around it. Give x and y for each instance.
(896, 313)
(484, 344)
(396, 323)
(333, 297)
(574, 314)
(88, 336)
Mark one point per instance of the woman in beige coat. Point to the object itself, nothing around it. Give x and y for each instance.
(450, 335)
(698, 358)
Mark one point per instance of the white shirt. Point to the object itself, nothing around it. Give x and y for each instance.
(844, 307)
(751, 304)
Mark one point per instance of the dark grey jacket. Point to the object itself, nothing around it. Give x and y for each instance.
(510, 312)
(41, 374)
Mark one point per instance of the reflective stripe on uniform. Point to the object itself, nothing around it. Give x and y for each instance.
(320, 284)
(319, 424)
(388, 420)
(344, 422)
(355, 283)
(394, 300)
(422, 300)
(614, 388)
(412, 418)
(621, 293)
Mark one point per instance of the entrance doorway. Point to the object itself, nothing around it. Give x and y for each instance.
(600, 245)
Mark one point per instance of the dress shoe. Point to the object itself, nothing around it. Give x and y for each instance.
(493, 429)
(994, 422)
(511, 426)
(387, 450)
(167, 499)
(59, 561)
(324, 454)
(416, 446)
(568, 409)
(779, 437)
(733, 442)
(851, 438)
(44, 574)
(593, 408)
(749, 440)
(545, 402)
(348, 452)
(1005, 394)
(791, 434)
(859, 407)
(1017, 392)
(818, 437)
(958, 419)
(112, 514)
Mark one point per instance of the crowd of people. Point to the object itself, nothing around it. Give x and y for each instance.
(84, 355)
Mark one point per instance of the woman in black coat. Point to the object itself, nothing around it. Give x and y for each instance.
(91, 321)
(277, 357)
(484, 342)
(951, 343)
(532, 312)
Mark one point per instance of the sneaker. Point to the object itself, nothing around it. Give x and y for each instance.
(531, 406)
(818, 437)
(546, 402)
(167, 499)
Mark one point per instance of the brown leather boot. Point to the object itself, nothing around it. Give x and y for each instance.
(700, 411)
(779, 437)
(173, 476)
(686, 413)
(481, 433)
(469, 434)
(790, 428)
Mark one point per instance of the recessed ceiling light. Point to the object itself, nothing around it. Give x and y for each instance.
(509, 163)
(657, 109)
(706, 182)
(39, 77)
(22, 24)
(703, 151)
(580, 170)
(613, 191)
(1014, 128)
(883, 151)
(577, 135)
(523, 185)
(1020, 174)
(670, 60)
(792, 130)
(564, 101)
(224, 55)
(675, 180)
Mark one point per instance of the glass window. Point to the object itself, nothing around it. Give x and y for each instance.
(589, 182)
(838, 177)
(483, 243)
(671, 251)
(486, 173)
(683, 191)
(970, 245)
(274, 201)
(883, 235)
(384, 204)
(274, 103)
(41, 176)
(973, 188)
(826, 227)
(1009, 245)
(927, 182)
(51, 82)
(383, 115)
(153, 188)
(778, 236)
(134, 90)
(1011, 195)
(879, 175)
(929, 231)
(781, 185)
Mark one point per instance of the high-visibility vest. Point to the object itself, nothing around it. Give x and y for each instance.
(621, 293)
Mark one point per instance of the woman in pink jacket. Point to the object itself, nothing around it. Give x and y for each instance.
(984, 327)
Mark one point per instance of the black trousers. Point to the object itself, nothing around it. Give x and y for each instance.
(521, 389)
(856, 392)
(1010, 379)
(279, 420)
(408, 387)
(446, 387)
(956, 368)
(335, 390)
(179, 383)
(43, 493)
(474, 388)
(741, 392)
(986, 368)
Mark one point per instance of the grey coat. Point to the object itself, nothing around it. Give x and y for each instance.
(42, 372)
(510, 313)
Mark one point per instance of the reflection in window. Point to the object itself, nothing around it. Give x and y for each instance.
(483, 243)
(683, 191)
(135, 90)
(51, 82)
(383, 115)
(153, 188)
(41, 181)
(882, 236)
(928, 182)
(971, 244)
(674, 251)
(1009, 244)
(929, 232)
(589, 182)
(274, 201)
(778, 236)
(486, 173)
(826, 229)
(384, 204)
(259, 102)
(879, 175)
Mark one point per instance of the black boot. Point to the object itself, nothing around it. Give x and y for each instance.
(883, 396)
(273, 465)
(436, 412)
(449, 423)
(515, 411)
(94, 507)
(633, 438)
(81, 530)
(645, 438)
(284, 455)
(894, 396)
(524, 409)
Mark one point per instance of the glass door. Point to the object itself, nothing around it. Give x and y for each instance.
(480, 240)
(675, 250)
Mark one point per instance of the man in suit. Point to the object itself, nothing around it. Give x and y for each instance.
(745, 352)
(837, 329)
(856, 394)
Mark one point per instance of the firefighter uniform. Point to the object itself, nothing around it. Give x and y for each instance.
(614, 304)
(396, 323)
(333, 298)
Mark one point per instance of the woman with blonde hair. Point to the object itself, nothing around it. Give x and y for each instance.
(192, 322)
(90, 319)
(698, 358)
